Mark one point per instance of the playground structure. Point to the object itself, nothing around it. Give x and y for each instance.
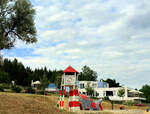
(76, 102)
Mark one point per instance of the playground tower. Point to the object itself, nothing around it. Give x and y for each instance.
(69, 79)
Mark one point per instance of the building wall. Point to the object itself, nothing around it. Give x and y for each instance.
(93, 84)
(102, 90)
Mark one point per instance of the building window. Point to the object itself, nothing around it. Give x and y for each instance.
(97, 94)
(104, 93)
(94, 85)
(109, 93)
(81, 86)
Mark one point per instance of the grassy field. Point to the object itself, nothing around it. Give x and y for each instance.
(108, 106)
(13, 103)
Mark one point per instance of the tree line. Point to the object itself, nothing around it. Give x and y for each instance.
(16, 71)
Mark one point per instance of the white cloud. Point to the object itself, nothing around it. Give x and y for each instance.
(112, 54)
(83, 42)
(111, 36)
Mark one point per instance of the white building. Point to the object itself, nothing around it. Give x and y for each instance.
(35, 84)
(101, 90)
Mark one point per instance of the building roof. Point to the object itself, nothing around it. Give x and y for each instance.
(70, 69)
(36, 82)
(52, 85)
(135, 91)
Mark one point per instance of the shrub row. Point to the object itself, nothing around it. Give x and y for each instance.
(1, 88)
(16, 89)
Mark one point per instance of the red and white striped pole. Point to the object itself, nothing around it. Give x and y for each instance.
(61, 104)
(60, 99)
(63, 98)
(74, 104)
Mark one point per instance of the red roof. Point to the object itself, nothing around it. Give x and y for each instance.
(70, 69)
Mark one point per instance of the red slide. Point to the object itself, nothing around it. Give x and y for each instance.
(100, 106)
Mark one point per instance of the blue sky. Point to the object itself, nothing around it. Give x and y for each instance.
(110, 36)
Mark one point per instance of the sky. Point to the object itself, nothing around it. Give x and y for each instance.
(112, 37)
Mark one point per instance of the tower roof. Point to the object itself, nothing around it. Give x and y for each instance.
(70, 69)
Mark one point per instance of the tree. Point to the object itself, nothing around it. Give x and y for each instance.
(4, 77)
(1, 60)
(16, 71)
(87, 74)
(112, 83)
(89, 90)
(16, 22)
(44, 82)
(121, 93)
(146, 91)
(58, 79)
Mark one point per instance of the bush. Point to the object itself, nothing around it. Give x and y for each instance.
(106, 98)
(1, 88)
(16, 89)
(30, 90)
(6, 86)
(41, 92)
(90, 91)
(95, 98)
